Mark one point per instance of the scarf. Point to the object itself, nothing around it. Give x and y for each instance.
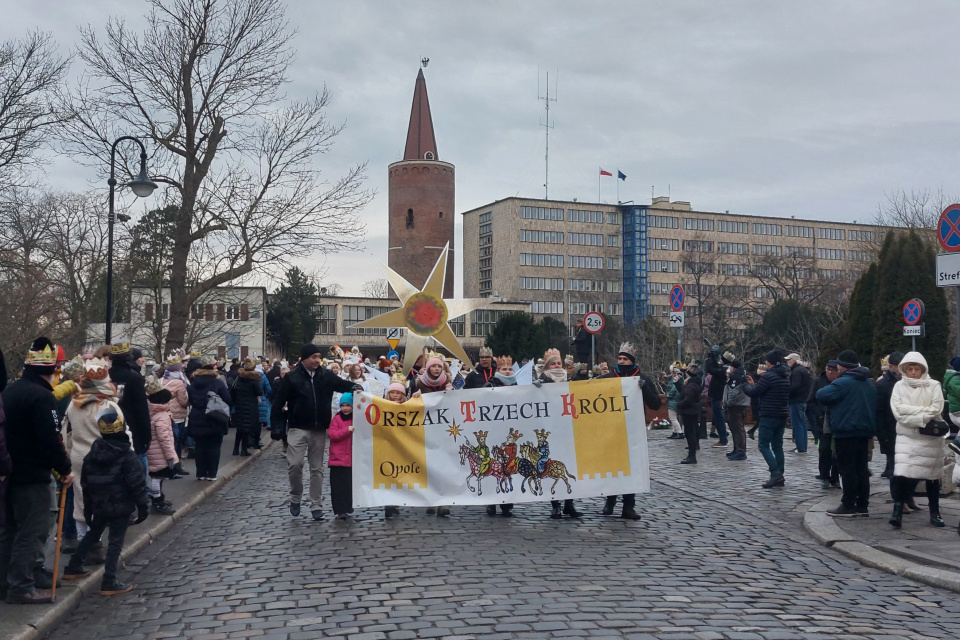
(508, 381)
(433, 382)
(170, 374)
(632, 370)
(95, 391)
(556, 375)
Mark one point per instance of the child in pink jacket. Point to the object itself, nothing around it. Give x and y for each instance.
(162, 460)
(341, 458)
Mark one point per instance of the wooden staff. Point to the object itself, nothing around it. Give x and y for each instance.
(56, 557)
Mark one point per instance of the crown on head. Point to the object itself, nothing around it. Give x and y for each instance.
(628, 349)
(73, 370)
(541, 433)
(398, 377)
(96, 369)
(551, 353)
(481, 434)
(568, 359)
(514, 435)
(486, 352)
(120, 347)
(46, 356)
(174, 358)
(504, 361)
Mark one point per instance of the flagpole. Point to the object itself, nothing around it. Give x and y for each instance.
(618, 185)
(599, 178)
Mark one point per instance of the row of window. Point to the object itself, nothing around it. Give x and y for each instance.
(694, 312)
(572, 215)
(548, 284)
(556, 237)
(742, 248)
(541, 213)
(541, 260)
(591, 239)
(541, 306)
(759, 228)
(533, 235)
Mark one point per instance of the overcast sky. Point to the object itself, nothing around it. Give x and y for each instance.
(806, 109)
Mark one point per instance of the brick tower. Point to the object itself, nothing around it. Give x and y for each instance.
(421, 199)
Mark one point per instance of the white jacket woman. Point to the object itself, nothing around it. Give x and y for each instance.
(915, 402)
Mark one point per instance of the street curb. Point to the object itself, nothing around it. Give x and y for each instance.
(824, 530)
(68, 599)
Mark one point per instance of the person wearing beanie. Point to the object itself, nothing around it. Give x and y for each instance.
(800, 383)
(688, 406)
(113, 490)
(627, 367)
(715, 365)
(829, 473)
(303, 399)
(206, 430)
(735, 401)
(340, 461)
(886, 422)
(162, 459)
(772, 391)
(582, 342)
(433, 377)
(483, 374)
(246, 390)
(852, 402)
(34, 447)
(125, 374)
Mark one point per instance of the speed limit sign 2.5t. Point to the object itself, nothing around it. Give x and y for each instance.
(593, 322)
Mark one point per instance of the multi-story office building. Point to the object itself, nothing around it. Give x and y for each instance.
(567, 258)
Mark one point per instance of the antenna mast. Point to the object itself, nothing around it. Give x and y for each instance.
(547, 126)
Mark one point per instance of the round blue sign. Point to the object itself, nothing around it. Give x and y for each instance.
(393, 355)
(676, 298)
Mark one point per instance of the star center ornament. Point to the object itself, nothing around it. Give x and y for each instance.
(425, 313)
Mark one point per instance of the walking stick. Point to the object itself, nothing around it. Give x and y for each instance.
(56, 557)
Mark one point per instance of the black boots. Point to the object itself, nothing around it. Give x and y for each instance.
(888, 470)
(752, 431)
(629, 513)
(112, 587)
(609, 505)
(897, 518)
(557, 512)
(160, 507)
(570, 510)
(774, 481)
(690, 459)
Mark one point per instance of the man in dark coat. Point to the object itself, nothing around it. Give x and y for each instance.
(125, 373)
(773, 392)
(582, 342)
(307, 393)
(852, 400)
(829, 473)
(716, 369)
(626, 368)
(273, 375)
(886, 423)
(485, 372)
(35, 449)
(800, 382)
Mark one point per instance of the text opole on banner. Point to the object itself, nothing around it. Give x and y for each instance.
(509, 444)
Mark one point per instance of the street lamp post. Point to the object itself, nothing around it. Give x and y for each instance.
(142, 186)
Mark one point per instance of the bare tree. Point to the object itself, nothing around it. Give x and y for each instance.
(30, 72)
(375, 288)
(701, 280)
(202, 84)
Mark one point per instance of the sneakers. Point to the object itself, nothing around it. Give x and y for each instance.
(69, 546)
(774, 481)
(843, 511)
(294, 507)
(936, 520)
(37, 596)
(718, 445)
(714, 434)
(317, 514)
(391, 511)
(737, 457)
(506, 512)
(43, 579)
(113, 587)
(340, 516)
(75, 573)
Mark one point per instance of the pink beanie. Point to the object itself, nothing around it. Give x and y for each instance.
(396, 386)
(433, 361)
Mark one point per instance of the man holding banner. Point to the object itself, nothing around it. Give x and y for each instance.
(626, 368)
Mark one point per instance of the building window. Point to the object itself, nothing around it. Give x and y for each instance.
(327, 314)
(458, 326)
(659, 288)
(613, 241)
(728, 226)
(576, 215)
(831, 254)
(584, 262)
(233, 312)
(585, 285)
(486, 228)
(698, 224)
(861, 256)
(662, 222)
(798, 273)
(613, 286)
(825, 233)
(409, 218)
(664, 244)
(660, 310)
(762, 292)
(665, 266)
(549, 237)
(613, 263)
(482, 321)
(613, 309)
(763, 229)
(486, 217)
(701, 290)
(701, 246)
(486, 285)
(613, 218)
(830, 274)
(352, 315)
(541, 213)
(590, 239)
(800, 252)
(767, 250)
(698, 267)
(486, 251)
(549, 284)
(541, 260)
(428, 155)
(863, 236)
(546, 307)
(734, 291)
(799, 232)
(737, 248)
(733, 269)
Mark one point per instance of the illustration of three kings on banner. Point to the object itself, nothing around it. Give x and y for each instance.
(533, 463)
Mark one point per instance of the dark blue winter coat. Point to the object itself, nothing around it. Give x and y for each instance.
(772, 391)
(852, 399)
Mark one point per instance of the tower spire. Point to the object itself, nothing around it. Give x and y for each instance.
(420, 137)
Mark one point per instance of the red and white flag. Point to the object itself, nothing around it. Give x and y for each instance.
(605, 173)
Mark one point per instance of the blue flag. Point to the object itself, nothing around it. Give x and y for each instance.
(621, 175)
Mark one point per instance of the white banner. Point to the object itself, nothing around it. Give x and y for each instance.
(507, 444)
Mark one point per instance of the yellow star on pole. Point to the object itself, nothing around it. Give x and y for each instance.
(425, 313)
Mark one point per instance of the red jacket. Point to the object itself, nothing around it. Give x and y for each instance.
(341, 441)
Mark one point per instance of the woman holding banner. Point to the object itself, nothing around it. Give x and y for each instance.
(553, 371)
(504, 377)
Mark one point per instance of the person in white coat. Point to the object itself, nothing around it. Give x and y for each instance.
(916, 400)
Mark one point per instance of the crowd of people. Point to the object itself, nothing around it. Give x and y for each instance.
(110, 427)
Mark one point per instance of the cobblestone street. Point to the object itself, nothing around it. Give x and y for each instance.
(714, 557)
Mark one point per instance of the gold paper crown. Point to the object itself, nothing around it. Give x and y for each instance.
(504, 361)
(95, 369)
(398, 377)
(106, 426)
(47, 356)
(568, 359)
(481, 434)
(885, 361)
(549, 353)
(196, 354)
(120, 348)
(486, 352)
(73, 370)
(174, 358)
(514, 435)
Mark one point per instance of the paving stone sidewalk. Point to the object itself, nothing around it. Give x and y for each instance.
(714, 558)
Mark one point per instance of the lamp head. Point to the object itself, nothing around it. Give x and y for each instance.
(142, 186)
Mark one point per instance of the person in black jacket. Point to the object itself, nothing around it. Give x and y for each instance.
(484, 374)
(206, 431)
(688, 406)
(35, 449)
(6, 466)
(886, 423)
(112, 491)
(627, 368)
(582, 342)
(715, 366)
(829, 472)
(773, 392)
(307, 393)
(245, 390)
(125, 374)
(800, 382)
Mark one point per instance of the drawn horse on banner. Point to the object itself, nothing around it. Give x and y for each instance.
(539, 458)
(495, 469)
